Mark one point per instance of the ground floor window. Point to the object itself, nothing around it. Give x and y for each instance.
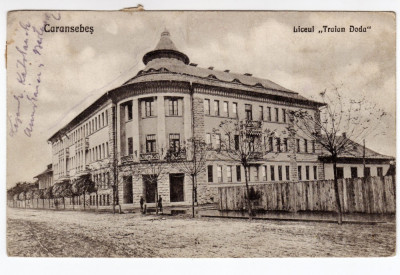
(340, 172)
(379, 171)
(354, 173)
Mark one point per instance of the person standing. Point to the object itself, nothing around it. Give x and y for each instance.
(160, 204)
(141, 204)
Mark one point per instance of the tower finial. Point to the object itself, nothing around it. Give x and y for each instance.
(165, 32)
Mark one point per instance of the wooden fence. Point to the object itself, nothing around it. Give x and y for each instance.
(370, 195)
(77, 203)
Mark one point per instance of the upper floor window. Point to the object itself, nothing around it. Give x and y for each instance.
(149, 106)
(269, 115)
(210, 173)
(130, 115)
(285, 144)
(305, 146)
(298, 145)
(219, 173)
(208, 139)
(229, 173)
(249, 111)
(261, 110)
(216, 107)
(234, 109)
(130, 146)
(150, 143)
(284, 115)
(217, 141)
(206, 106)
(174, 142)
(236, 141)
(226, 108)
(313, 146)
(173, 107)
(276, 114)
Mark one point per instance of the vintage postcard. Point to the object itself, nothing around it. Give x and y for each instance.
(201, 134)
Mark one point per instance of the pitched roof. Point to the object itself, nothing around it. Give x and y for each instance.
(355, 151)
(48, 170)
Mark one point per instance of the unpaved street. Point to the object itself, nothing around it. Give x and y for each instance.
(89, 234)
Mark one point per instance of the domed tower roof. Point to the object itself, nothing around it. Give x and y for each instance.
(165, 49)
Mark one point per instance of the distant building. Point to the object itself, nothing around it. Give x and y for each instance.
(45, 179)
(351, 163)
(165, 104)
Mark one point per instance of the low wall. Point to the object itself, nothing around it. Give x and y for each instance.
(370, 195)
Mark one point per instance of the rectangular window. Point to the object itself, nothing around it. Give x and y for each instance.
(236, 142)
(210, 173)
(206, 106)
(298, 145)
(313, 146)
(264, 172)
(367, 172)
(269, 115)
(305, 146)
(238, 173)
(130, 115)
(216, 107)
(150, 143)
(299, 172)
(315, 172)
(173, 106)
(280, 173)
(287, 172)
(261, 115)
(174, 142)
(340, 172)
(130, 146)
(379, 171)
(354, 173)
(307, 172)
(270, 144)
(276, 114)
(217, 141)
(285, 145)
(256, 174)
(272, 168)
(249, 111)
(229, 173)
(208, 139)
(149, 104)
(278, 144)
(228, 141)
(219, 173)
(235, 109)
(284, 115)
(226, 108)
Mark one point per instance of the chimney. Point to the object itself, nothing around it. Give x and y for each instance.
(193, 64)
(211, 68)
(248, 74)
(344, 135)
(227, 71)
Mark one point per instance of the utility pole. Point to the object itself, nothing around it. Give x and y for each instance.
(364, 157)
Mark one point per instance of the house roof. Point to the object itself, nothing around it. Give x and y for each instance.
(163, 66)
(355, 151)
(167, 63)
(48, 170)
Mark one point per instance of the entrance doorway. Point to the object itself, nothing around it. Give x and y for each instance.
(150, 188)
(176, 187)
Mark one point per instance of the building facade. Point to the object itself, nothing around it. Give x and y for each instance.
(121, 139)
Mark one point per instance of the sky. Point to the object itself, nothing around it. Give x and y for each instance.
(77, 68)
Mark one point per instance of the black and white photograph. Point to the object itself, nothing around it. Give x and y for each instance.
(200, 134)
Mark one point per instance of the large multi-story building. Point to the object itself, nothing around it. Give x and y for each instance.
(168, 102)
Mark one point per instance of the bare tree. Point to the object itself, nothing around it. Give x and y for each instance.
(190, 159)
(337, 126)
(242, 141)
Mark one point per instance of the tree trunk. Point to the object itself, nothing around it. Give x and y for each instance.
(248, 193)
(64, 202)
(336, 186)
(84, 201)
(193, 180)
(97, 201)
